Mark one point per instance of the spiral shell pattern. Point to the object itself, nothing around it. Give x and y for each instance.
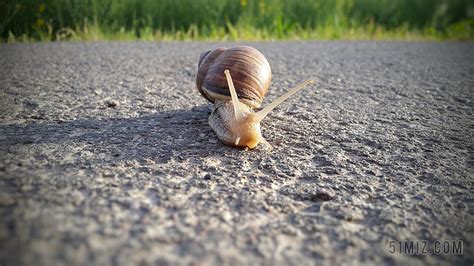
(248, 67)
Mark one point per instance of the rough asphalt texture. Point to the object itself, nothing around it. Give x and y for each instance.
(106, 156)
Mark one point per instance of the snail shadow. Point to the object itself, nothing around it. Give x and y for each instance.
(160, 137)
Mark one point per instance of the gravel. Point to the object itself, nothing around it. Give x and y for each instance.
(106, 156)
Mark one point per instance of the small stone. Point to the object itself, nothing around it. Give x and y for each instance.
(111, 103)
(226, 216)
(322, 195)
(368, 188)
(37, 117)
(313, 208)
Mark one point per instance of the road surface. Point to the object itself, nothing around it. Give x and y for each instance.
(106, 157)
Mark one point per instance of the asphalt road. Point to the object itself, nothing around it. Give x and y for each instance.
(106, 157)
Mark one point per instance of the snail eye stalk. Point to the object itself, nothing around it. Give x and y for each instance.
(264, 112)
(235, 100)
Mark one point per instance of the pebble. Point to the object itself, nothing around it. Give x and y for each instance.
(111, 103)
(323, 195)
(226, 216)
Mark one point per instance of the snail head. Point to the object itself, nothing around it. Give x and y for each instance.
(246, 125)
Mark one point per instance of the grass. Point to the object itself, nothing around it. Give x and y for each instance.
(54, 20)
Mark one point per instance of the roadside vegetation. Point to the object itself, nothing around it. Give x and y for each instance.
(53, 20)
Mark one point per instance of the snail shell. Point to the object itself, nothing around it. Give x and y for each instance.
(250, 69)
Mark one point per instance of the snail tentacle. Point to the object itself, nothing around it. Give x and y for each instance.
(264, 112)
(235, 100)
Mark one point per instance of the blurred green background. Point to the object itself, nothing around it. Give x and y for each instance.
(33, 20)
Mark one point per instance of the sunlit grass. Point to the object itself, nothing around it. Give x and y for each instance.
(230, 20)
(248, 33)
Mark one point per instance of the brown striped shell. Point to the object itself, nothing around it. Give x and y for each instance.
(250, 72)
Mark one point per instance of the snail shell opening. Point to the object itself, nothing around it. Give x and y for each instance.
(250, 70)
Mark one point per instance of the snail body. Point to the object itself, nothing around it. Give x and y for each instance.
(233, 119)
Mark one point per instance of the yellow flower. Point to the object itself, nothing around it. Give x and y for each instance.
(41, 7)
(243, 3)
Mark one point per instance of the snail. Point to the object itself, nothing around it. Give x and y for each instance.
(233, 119)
